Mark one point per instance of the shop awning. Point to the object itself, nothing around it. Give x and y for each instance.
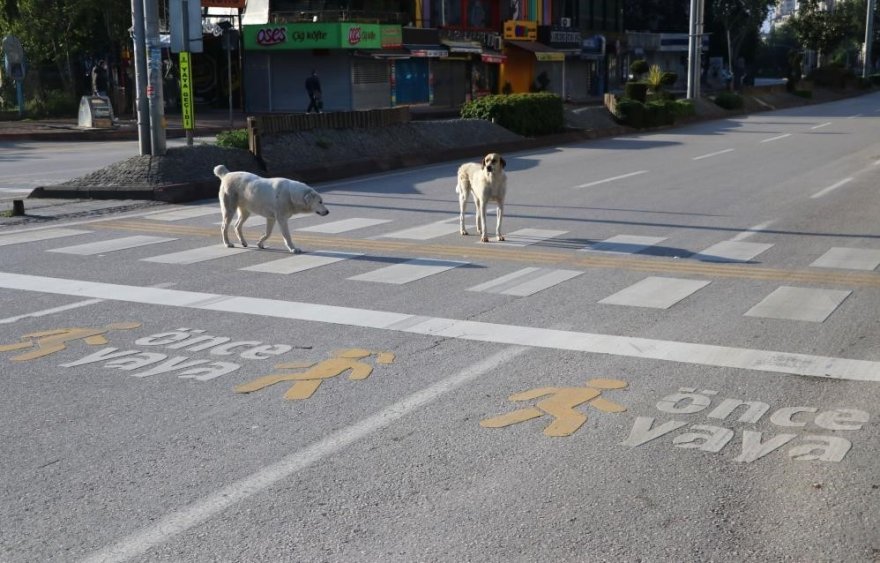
(256, 12)
(433, 51)
(462, 46)
(385, 54)
(542, 52)
(490, 56)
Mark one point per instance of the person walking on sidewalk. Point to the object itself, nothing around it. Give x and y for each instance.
(100, 82)
(313, 89)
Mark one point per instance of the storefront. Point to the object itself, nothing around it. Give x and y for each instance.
(416, 78)
(279, 57)
(530, 65)
(574, 69)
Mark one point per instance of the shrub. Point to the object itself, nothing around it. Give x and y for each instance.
(875, 79)
(684, 108)
(233, 139)
(636, 91)
(53, 103)
(524, 114)
(729, 100)
(655, 78)
(660, 112)
(669, 78)
(631, 112)
(638, 67)
(803, 93)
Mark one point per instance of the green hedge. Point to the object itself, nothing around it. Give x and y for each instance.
(832, 76)
(53, 103)
(653, 114)
(636, 91)
(233, 139)
(525, 114)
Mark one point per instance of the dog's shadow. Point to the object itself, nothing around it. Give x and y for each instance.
(372, 258)
(590, 246)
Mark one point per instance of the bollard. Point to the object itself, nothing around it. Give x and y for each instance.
(17, 207)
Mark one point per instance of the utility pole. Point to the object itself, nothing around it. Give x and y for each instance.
(140, 76)
(695, 44)
(869, 39)
(154, 77)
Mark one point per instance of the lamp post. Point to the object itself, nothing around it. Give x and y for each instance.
(228, 34)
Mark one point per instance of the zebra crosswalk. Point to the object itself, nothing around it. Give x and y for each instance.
(785, 302)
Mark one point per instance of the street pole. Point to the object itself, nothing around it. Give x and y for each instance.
(140, 76)
(227, 32)
(188, 101)
(693, 73)
(154, 76)
(869, 39)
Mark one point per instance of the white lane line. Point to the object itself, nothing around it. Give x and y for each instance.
(855, 116)
(821, 125)
(527, 281)
(752, 231)
(209, 506)
(194, 255)
(711, 154)
(612, 179)
(771, 139)
(683, 352)
(526, 237)
(185, 213)
(52, 311)
(830, 188)
(623, 244)
(866, 259)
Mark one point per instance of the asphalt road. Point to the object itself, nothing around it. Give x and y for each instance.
(674, 357)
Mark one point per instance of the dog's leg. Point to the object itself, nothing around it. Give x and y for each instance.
(481, 220)
(239, 223)
(462, 208)
(285, 232)
(224, 225)
(270, 224)
(498, 236)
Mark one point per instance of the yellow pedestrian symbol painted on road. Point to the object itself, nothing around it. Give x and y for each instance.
(560, 405)
(48, 342)
(307, 382)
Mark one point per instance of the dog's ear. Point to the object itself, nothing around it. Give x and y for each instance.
(503, 163)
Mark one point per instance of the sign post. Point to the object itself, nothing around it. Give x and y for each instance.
(186, 38)
(187, 111)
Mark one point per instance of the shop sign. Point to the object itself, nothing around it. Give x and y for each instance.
(391, 36)
(521, 30)
(296, 36)
(594, 45)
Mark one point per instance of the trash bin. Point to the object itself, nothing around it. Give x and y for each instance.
(95, 112)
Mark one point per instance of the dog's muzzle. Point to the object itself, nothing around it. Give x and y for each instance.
(322, 213)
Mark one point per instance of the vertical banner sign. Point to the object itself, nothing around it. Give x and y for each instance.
(186, 97)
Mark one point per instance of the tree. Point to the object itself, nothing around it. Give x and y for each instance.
(740, 20)
(818, 29)
(58, 34)
(656, 16)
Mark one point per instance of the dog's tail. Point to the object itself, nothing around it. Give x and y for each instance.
(220, 171)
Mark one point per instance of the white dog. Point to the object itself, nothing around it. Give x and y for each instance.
(487, 182)
(276, 199)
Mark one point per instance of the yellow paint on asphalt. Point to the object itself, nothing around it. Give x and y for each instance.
(472, 250)
(561, 403)
(47, 342)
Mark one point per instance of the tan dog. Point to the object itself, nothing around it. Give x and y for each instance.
(487, 182)
(276, 199)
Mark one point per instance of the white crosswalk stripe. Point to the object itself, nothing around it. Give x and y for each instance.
(344, 225)
(33, 236)
(425, 232)
(849, 259)
(527, 281)
(196, 255)
(525, 237)
(799, 304)
(186, 213)
(112, 245)
(301, 262)
(731, 251)
(408, 271)
(655, 292)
